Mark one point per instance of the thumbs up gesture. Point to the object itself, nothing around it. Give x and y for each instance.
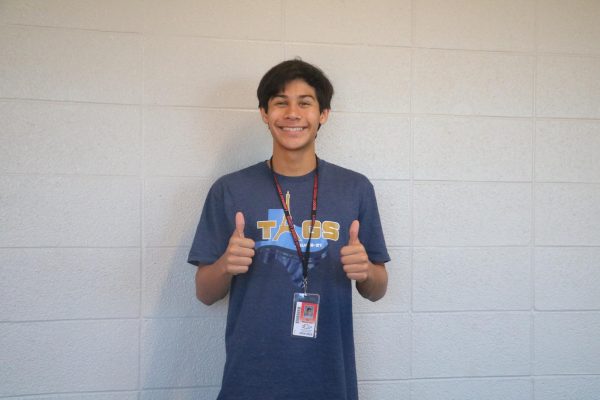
(238, 256)
(354, 256)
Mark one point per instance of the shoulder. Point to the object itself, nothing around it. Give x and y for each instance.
(342, 174)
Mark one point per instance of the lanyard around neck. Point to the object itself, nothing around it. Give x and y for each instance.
(290, 221)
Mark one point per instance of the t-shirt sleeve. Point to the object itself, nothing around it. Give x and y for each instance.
(371, 232)
(215, 227)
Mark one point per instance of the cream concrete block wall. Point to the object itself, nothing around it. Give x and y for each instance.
(83, 396)
(583, 388)
(478, 123)
(468, 389)
(471, 344)
(69, 356)
(384, 390)
(208, 392)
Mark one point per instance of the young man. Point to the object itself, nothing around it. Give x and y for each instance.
(285, 238)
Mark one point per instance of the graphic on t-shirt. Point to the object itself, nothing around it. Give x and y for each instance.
(278, 245)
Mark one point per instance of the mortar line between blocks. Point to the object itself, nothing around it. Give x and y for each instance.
(142, 211)
(283, 40)
(533, 187)
(411, 158)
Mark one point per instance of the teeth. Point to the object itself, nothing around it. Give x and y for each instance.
(293, 129)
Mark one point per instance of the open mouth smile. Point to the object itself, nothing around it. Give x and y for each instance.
(292, 128)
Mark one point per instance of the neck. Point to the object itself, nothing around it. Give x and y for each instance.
(294, 164)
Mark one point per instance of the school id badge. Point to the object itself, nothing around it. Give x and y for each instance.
(306, 315)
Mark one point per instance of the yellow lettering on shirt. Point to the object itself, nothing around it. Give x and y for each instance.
(266, 227)
(331, 230)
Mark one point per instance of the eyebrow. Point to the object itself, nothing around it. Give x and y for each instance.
(302, 96)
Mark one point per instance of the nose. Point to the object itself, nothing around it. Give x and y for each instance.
(292, 112)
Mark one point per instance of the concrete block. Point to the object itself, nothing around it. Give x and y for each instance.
(60, 138)
(472, 389)
(391, 390)
(108, 15)
(568, 26)
(56, 64)
(567, 343)
(469, 83)
(383, 22)
(567, 214)
(227, 19)
(456, 279)
(59, 283)
(210, 392)
(566, 151)
(397, 297)
(182, 352)
(568, 86)
(84, 396)
(477, 149)
(172, 208)
(191, 71)
(567, 388)
(169, 286)
(377, 145)
(567, 278)
(68, 356)
(472, 214)
(476, 25)
(393, 201)
(471, 344)
(205, 143)
(382, 344)
(69, 211)
(361, 84)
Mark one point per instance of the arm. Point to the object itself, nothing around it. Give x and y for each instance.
(375, 286)
(212, 283)
(213, 280)
(371, 279)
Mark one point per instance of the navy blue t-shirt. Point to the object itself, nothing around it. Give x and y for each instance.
(263, 359)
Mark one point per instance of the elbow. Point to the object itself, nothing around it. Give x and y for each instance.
(375, 287)
(375, 295)
(206, 300)
(374, 298)
(372, 294)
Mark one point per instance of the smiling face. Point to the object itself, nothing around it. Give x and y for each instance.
(293, 117)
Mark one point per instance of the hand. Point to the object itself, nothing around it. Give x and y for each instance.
(238, 256)
(354, 256)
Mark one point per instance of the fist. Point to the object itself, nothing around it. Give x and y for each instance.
(355, 260)
(238, 256)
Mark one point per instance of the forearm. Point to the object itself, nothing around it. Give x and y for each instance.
(375, 286)
(212, 282)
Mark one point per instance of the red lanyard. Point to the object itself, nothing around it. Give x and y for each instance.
(303, 258)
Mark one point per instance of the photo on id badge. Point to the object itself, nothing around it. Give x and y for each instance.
(306, 315)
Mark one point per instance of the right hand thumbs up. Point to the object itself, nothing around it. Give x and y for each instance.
(238, 256)
(240, 223)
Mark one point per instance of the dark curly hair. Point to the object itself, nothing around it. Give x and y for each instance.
(274, 81)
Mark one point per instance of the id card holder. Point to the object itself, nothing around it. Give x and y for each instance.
(306, 315)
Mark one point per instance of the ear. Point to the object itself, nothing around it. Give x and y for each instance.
(324, 115)
(264, 115)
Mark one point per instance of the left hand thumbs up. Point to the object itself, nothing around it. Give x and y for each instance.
(354, 258)
(354, 227)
